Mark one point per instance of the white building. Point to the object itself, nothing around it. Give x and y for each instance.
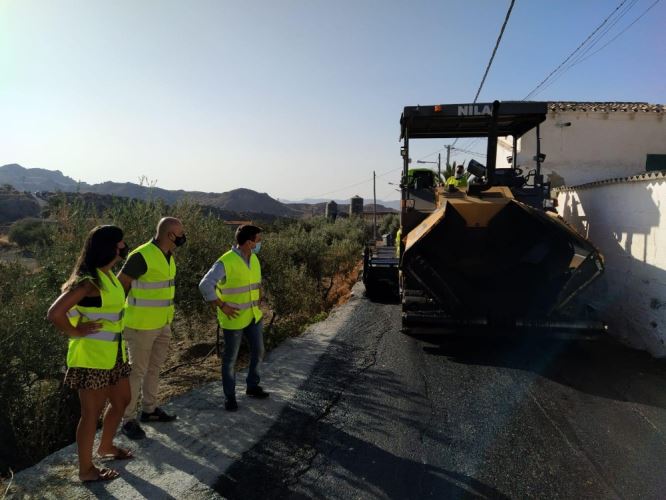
(593, 141)
(598, 153)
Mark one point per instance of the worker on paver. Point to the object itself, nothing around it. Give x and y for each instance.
(232, 287)
(398, 241)
(459, 179)
(148, 277)
(90, 312)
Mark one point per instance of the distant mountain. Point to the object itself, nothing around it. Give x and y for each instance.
(238, 200)
(37, 179)
(241, 201)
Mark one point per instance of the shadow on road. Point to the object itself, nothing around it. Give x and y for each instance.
(365, 469)
(598, 366)
(386, 296)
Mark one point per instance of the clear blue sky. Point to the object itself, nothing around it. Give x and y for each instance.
(297, 98)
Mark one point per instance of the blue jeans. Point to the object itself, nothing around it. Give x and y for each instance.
(232, 342)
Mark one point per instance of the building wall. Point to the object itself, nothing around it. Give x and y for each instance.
(596, 146)
(627, 222)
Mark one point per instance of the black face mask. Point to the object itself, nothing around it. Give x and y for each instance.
(105, 256)
(179, 241)
(123, 252)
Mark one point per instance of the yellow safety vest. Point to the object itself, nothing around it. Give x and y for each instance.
(240, 289)
(462, 182)
(398, 241)
(151, 297)
(99, 349)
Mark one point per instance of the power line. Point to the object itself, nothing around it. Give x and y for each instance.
(470, 152)
(356, 183)
(620, 33)
(462, 150)
(586, 55)
(603, 33)
(541, 84)
(492, 57)
(583, 54)
(499, 38)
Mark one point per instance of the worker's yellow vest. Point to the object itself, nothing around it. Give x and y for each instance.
(151, 297)
(398, 241)
(99, 349)
(462, 182)
(240, 289)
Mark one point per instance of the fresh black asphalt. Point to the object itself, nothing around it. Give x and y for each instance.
(386, 416)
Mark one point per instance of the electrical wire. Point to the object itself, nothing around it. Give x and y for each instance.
(585, 49)
(357, 183)
(582, 52)
(620, 33)
(585, 55)
(470, 152)
(499, 38)
(572, 54)
(492, 57)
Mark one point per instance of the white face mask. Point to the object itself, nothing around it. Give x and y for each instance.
(257, 248)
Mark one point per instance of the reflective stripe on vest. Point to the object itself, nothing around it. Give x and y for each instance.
(155, 285)
(108, 336)
(240, 290)
(73, 313)
(150, 301)
(242, 307)
(99, 349)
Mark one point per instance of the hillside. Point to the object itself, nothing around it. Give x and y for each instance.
(238, 200)
(38, 179)
(16, 205)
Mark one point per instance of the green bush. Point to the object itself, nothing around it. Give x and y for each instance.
(390, 224)
(36, 415)
(31, 232)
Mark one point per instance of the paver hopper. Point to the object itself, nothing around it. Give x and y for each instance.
(493, 253)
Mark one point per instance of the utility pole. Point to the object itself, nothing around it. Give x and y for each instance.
(448, 155)
(439, 166)
(374, 206)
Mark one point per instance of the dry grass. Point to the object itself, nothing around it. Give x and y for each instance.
(5, 243)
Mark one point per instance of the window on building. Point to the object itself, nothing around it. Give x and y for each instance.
(655, 162)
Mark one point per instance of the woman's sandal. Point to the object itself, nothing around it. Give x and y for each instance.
(104, 474)
(120, 454)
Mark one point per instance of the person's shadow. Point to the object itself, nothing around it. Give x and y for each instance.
(358, 465)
